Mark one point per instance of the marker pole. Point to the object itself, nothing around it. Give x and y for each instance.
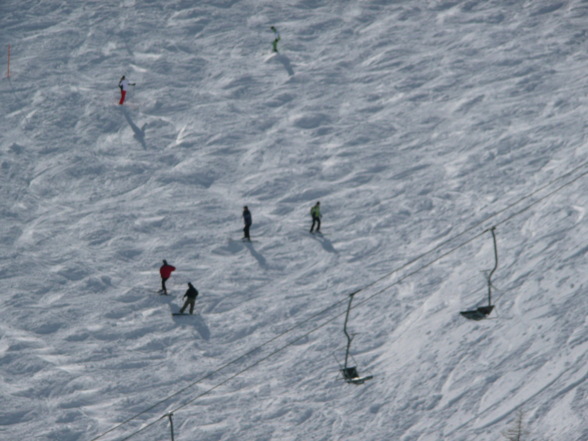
(8, 69)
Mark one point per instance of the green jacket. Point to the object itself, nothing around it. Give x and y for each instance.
(315, 211)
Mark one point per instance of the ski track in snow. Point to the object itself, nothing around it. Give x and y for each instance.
(412, 122)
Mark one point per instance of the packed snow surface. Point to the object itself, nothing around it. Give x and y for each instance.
(418, 124)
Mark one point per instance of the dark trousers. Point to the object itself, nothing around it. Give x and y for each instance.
(189, 302)
(316, 221)
(246, 232)
(163, 288)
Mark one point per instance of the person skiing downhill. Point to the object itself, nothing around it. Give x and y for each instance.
(315, 213)
(123, 84)
(190, 297)
(247, 221)
(165, 272)
(277, 38)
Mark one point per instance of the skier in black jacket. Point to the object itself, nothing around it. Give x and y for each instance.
(247, 221)
(190, 297)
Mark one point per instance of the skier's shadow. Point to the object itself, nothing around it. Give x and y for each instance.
(326, 243)
(139, 132)
(194, 320)
(258, 257)
(285, 62)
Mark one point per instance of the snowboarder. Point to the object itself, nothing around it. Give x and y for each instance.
(315, 213)
(123, 84)
(247, 221)
(190, 297)
(165, 271)
(277, 38)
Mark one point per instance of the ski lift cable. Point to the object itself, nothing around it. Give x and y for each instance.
(482, 312)
(482, 222)
(492, 216)
(221, 368)
(361, 302)
(541, 199)
(239, 373)
(464, 243)
(233, 376)
(293, 342)
(265, 358)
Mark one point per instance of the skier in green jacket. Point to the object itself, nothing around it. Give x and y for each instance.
(277, 38)
(315, 213)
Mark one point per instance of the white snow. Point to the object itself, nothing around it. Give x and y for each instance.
(418, 124)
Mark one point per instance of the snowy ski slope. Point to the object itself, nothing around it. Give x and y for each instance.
(417, 124)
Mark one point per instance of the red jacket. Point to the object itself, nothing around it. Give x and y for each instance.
(166, 271)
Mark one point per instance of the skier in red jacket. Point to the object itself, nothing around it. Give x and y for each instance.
(165, 272)
(124, 84)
